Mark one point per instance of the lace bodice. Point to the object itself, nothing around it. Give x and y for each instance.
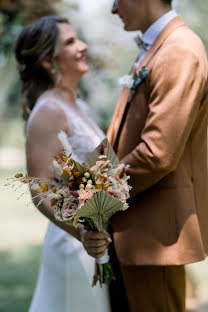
(83, 133)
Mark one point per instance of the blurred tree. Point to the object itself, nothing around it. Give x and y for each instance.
(195, 14)
(10, 24)
(33, 9)
(14, 14)
(29, 10)
(111, 50)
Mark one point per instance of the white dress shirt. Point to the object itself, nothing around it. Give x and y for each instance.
(153, 32)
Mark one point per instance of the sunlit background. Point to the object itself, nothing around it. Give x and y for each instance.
(111, 53)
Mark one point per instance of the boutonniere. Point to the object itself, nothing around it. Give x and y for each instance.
(133, 80)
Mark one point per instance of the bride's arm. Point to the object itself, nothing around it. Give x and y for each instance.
(42, 145)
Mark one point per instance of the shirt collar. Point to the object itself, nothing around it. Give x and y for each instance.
(155, 29)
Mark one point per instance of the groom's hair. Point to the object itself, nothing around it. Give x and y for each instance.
(167, 1)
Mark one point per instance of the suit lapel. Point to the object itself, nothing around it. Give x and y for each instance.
(122, 102)
(117, 116)
(118, 113)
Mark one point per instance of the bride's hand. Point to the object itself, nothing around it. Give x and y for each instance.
(95, 243)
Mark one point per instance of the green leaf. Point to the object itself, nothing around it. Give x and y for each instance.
(93, 157)
(99, 208)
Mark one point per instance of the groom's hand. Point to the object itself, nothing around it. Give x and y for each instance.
(95, 243)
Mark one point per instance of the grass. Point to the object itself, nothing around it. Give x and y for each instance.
(22, 232)
(12, 132)
(18, 275)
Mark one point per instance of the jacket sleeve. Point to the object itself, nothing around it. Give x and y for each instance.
(177, 81)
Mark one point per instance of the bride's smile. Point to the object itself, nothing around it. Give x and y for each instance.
(71, 51)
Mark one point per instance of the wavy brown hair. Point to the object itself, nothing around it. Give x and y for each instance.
(37, 42)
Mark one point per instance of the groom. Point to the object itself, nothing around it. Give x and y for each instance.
(162, 134)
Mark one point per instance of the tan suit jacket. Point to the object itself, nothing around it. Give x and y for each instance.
(162, 135)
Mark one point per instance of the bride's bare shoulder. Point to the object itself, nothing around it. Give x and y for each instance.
(46, 115)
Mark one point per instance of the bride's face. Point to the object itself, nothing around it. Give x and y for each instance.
(70, 56)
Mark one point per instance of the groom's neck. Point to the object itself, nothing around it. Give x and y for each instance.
(155, 11)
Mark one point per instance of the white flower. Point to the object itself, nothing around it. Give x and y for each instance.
(63, 192)
(66, 209)
(117, 194)
(69, 208)
(126, 81)
(57, 169)
(119, 169)
(65, 143)
(57, 213)
(55, 196)
(125, 206)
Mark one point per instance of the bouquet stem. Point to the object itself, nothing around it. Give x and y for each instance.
(103, 273)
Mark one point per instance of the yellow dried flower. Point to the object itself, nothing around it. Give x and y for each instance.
(98, 186)
(67, 171)
(53, 202)
(18, 175)
(44, 187)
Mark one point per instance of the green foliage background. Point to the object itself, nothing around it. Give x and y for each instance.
(195, 13)
(111, 51)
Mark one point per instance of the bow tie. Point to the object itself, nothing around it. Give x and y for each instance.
(140, 43)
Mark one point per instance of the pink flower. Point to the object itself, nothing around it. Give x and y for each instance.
(74, 193)
(84, 195)
(70, 208)
(117, 194)
(125, 188)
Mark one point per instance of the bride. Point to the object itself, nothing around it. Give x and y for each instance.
(51, 62)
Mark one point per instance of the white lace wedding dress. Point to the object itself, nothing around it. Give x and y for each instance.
(65, 278)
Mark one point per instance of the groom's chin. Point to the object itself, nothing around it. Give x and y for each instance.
(128, 27)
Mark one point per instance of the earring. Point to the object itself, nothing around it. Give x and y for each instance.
(53, 70)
